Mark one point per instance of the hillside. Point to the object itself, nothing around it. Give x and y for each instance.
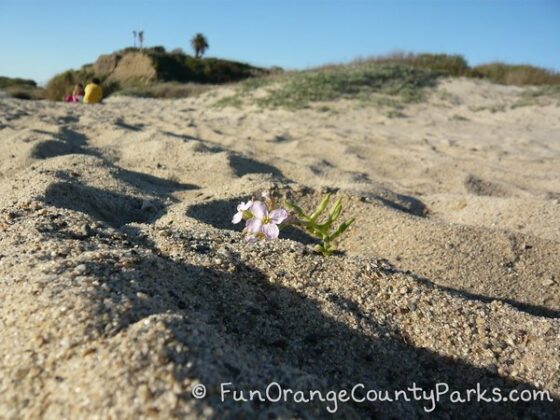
(157, 65)
(133, 70)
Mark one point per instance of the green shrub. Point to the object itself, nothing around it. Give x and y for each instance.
(6, 82)
(20, 88)
(516, 74)
(158, 49)
(180, 67)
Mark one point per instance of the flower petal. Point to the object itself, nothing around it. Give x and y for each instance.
(254, 225)
(270, 231)
(238, 217)
(278, 216)
(245, 206)
(259, 210)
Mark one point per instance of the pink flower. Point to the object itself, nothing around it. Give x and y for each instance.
(264, 224)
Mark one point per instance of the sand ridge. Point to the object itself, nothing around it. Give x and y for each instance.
(124, 284)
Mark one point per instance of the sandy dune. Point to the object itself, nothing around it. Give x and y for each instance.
(124, 283)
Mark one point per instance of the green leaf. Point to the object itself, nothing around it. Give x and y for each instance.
(342, 228)
(324, 227)
(336, 209)
(333, 215)
(321, 207)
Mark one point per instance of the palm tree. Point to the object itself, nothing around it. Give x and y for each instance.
(134, 34)
(141, 38)
(199, 44)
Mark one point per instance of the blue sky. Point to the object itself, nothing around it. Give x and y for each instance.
(42, 37)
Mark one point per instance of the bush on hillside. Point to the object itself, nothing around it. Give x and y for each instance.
(158, 49)
(6, 82)
(180, 67)
(456, 65)
(516, 74)
(20, 88)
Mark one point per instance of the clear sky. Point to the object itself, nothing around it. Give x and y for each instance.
(39, 38)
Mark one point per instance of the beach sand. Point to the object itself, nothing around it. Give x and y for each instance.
(124, 283)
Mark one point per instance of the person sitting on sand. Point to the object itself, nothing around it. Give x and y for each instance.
(93, 92)
(77, 94)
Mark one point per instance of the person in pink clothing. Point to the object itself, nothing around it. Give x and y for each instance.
(77, 94)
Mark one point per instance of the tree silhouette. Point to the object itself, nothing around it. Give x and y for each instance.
(134, 34)
(199, 44)
(141, 38)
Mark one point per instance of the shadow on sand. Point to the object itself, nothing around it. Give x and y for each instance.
(267, 332)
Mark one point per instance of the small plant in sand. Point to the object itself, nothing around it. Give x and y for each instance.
(264, 220)
(324, 230)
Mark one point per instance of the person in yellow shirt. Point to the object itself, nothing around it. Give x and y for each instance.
(93, 92)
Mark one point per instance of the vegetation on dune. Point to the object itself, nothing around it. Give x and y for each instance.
(179, 67)
(365, 81)
(545, 94)
(391, 81)
(451, 65)
(519, 75)
(20, 88)
(456, 65)
(7, 82)
(346, 82)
